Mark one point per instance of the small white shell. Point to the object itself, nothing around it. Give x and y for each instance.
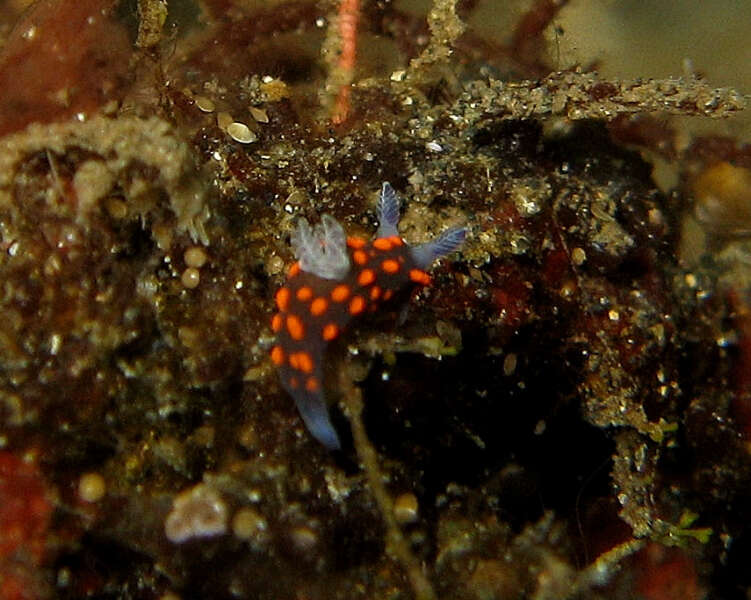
(240, 132)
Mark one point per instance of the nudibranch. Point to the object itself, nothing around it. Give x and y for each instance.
(336, 279)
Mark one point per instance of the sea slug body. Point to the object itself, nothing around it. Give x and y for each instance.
(334, 280)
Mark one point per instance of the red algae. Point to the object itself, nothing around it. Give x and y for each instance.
(62, 59)
(666, 574)
(25, 515)
(25, 509)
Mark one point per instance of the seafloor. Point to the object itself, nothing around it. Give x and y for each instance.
(565, 412)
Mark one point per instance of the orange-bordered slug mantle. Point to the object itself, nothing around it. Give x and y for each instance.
(336, 279)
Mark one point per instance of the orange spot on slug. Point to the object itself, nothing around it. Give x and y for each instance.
(340, 293)
(366, 277)
(360, 257)
(357, 305)
(375, 292)
(390, 266)
(282, 299)
(330, 331)
(304, 362)
(311, 384)
(277, 355)
(355, 242)
(382, 244)
(318, 306)
(304, 294)
(294, 270)
(276, 322)
(419, 276)
(295, 327)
